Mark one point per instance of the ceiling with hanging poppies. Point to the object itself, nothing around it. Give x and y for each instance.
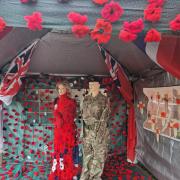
(97, 18)
(108, 22)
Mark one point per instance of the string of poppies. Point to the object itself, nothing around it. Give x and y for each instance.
(110, 13)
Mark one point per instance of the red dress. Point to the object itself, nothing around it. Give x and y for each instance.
(64, 138)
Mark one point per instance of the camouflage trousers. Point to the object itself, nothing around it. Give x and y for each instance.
(94, 155)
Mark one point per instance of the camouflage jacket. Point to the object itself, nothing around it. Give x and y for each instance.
(95, 112)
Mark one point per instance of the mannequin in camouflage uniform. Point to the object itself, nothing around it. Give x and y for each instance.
(95, 114)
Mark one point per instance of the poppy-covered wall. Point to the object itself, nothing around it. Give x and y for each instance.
(28, 133)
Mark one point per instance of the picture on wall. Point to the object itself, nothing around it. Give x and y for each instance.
(163, 111)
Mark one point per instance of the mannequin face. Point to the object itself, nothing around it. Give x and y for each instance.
(94, 87)
(61, 89)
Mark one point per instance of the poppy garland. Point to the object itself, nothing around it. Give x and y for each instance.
(102, 31)
(110, 13)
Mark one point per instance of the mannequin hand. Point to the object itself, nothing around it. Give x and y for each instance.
(76, 165)
(55, 106)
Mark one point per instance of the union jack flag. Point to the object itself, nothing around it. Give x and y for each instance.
(123, 84)
(118, 74)
(11, 82)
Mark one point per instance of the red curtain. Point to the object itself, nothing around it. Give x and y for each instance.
(127, 93)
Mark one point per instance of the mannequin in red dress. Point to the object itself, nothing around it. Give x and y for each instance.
(64, 135)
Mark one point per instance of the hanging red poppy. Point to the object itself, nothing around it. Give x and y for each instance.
(24, 1)
(127, 36)
(2, 24)
(157, 2)
(152, 36)
(112, 11)
(28, 1)
(34, 21)
(152, 13)
(77, 18)
(175, 23)
(80, 31)
(134, 26)
(102, 31)
(100, 2)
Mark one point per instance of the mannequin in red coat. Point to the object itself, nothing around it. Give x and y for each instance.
(64, 135)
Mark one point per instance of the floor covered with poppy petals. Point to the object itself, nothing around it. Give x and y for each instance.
(116, 168)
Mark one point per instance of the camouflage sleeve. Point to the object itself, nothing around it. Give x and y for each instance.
(102, 125)
(106, 113)
(83, 105)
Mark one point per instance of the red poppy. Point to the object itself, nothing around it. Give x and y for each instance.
(24, 1)
(163, 114)
(112, 11)
(134, 26)
(175, 23)
(157, 2)
(102, 31)
(100, 2)
(34, 21)
(2, 24)
(28, 1)
(127, 36)
(80, 31)
(153, 36)
(77, 18)
(152, 13)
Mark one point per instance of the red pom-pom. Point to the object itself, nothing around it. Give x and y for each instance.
(152, 13)
(80, 31)
(153, 36)
(2, 24)
(34, 21)
(10, 135)
(24, 1)
(175, 23)
(100, 2)
(28, 1)
(134, 26)
(127, 36)
(157, 2)
(112, 11)
(36, 173)
(77, 18)
(33, 143)
(102, 31)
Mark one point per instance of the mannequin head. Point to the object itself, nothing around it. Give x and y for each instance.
(94, 88)
(63, 88)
